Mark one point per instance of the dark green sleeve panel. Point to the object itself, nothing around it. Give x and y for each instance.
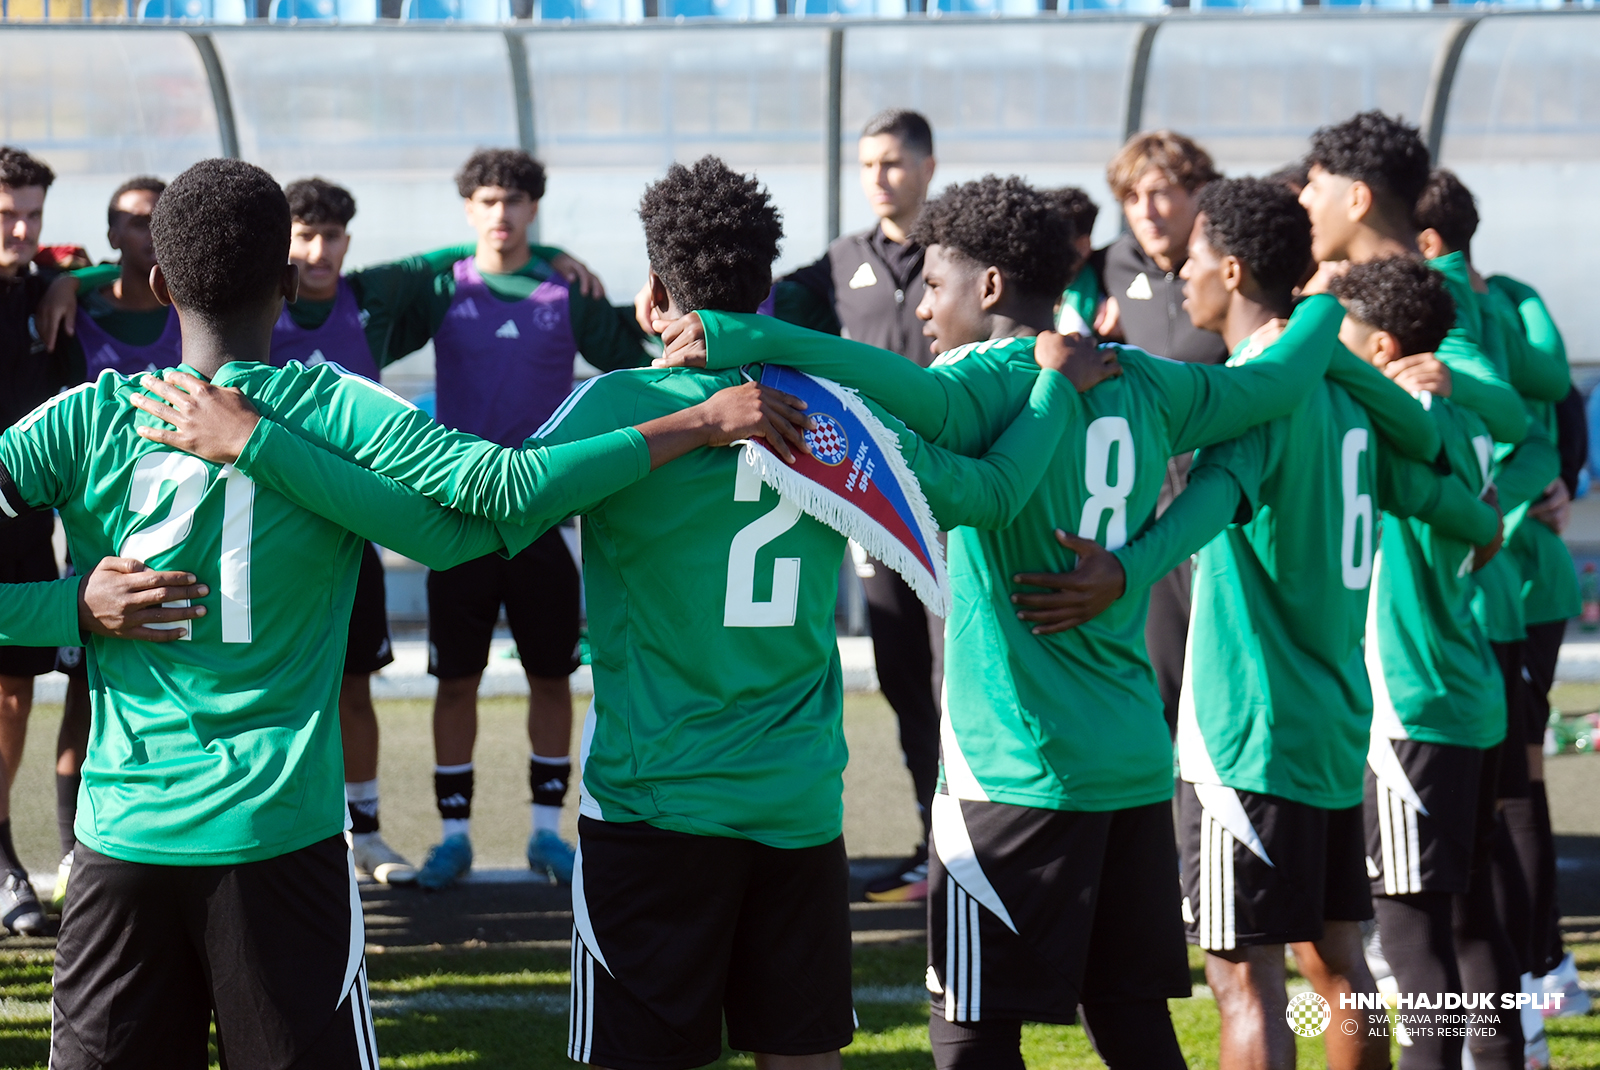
(1540, 371)
(1537, 323)
(796, 303)
(96, 275)
(1475, 382)
(1523, 473)
(1411, 489)
(1207, 505)
(607, 335)
(405, 301)
(1397, 416)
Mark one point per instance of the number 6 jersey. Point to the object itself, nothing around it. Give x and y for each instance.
(1070, 721)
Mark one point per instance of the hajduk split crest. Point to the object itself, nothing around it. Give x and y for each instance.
(856, 482)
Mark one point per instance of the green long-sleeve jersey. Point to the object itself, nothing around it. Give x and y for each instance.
(40, 614)
(1549, 578)
(1070, 721)
(224, 748)
(1275, 695)
(718, 695)
(1434, 677)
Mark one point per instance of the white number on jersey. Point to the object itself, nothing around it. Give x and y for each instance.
(1483, 446)
(740, 609)
(1107, 497)
(1356, 571)
(150, 474)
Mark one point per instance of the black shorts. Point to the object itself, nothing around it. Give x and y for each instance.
(1232, 897)
(1031, 912)
(539, 588)
(1422, 815)
(672, 932)
(274, 947)
(27, 556)
(368, 649)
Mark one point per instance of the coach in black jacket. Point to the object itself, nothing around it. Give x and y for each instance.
(867, 287)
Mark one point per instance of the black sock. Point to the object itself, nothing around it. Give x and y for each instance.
(364, 814)
(67, 810)
(548, 781)
(1134, 1034)
(6, 849)
(1547, 912)
(992, 1044)
(1420, 948)
(453, 791)
(1488, 963)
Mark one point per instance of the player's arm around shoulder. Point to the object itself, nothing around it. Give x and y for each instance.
(43, 455)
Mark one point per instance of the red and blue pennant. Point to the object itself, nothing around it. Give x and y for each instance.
(856, 482)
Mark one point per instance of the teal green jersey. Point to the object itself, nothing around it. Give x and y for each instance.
(40, 614)
(711, 618)
(223, 747)
(1070, 721)
(1082, 297)
(1549, 578)
(1434, 677)
(1275, 696)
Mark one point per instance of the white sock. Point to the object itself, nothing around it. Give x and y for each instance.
(360, 790)
(456, 826)
(546, 819)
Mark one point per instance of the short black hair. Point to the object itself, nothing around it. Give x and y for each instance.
(712, 235)
(910, 127)
(1447, 205)
(18, 169)
(1374, 148)
(1262, 224)
(316, 200)
(1079, 208)
(1292, 176)
(1004, 223)
(136, 184)
(506, 168)
(1400, 295)
(221, 233)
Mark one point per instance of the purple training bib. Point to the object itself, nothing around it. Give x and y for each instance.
(341, 338)
(102, 351)
(503, 366)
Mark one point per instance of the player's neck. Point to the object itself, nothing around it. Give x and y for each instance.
(1022, 319)
(1374, 240)
(131, 292)
(502, 261)
(1246, 315)
(207, 345)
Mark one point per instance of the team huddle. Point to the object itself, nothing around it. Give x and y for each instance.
(1340, 489)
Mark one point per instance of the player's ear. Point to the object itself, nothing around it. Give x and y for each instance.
(289, 287)
(158, 286)
(660, 299)
(1233, 272)
(1430, 243)
(1361, 201)
(1385, 347)
(992, 287)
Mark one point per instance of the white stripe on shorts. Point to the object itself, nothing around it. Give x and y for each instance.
(1401, 849)
(963, 957)
(1217, 932)
(580, 1018)
(361, 1015)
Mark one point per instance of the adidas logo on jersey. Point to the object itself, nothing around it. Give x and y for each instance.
(863, 278)
(467, 310)
(1139, 288)
(508, 329)
(315, 358)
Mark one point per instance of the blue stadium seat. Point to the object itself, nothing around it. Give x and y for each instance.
(323, 11)
(199, 10)
(1129, 6)
(590, 10)
(741, 10)
(984, 7)
(482, 11)
(849, 9)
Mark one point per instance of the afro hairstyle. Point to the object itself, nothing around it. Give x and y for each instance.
(1079, 208)
(1447, 206)
(316, 200)
(221, 233)
(136, 184)
(1371, 147)
(1400, 296)
(506, 168)
(1007, 224)
(18, 169)
(1262, 224)
(712, 235)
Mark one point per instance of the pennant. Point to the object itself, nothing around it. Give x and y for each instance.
(856, 482)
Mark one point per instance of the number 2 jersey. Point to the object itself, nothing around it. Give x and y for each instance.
(223, 747)
(711, 617)
(1070, 721)
(1275, 696)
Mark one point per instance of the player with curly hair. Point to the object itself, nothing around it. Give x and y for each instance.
(212, 796)
(1081, 300)
(1275, 712)
(1053, 879)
